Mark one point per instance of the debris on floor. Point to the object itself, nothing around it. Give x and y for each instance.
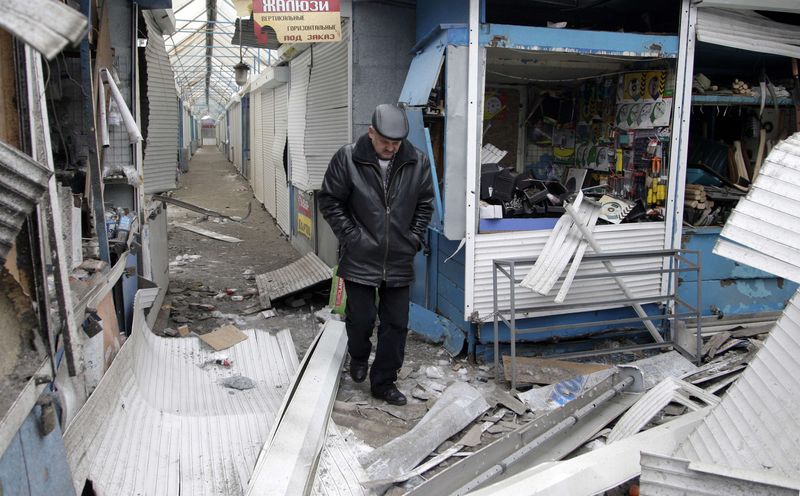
(207, 233)
(238, 382)
(458, 406)
(202, 210)
(546, 371)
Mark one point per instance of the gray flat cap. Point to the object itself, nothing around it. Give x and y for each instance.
(390, 121)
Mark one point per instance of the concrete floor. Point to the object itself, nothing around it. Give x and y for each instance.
(212, 266)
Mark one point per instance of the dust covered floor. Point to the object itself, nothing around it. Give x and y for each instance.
(212, 282)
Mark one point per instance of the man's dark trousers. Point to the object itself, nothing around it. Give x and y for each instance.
(392, 331)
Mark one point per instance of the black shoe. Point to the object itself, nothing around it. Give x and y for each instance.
(392, 395)
(358, 371)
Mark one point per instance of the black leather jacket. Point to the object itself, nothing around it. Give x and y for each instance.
(379, 229)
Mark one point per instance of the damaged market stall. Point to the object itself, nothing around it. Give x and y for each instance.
(96, 238)
(556, 110)
(744, 98)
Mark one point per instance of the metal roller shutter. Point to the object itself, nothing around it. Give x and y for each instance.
(268, 132)
(161, 147)
(256, 178)
(187, 130)
(279, 144)
(747, 30)
(328, 111)
(489, 247)
(237, 136)
(299, 73)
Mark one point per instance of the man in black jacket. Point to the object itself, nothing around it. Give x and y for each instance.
(377, 197)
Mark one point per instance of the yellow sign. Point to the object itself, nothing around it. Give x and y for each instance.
(300, 21)
(305, 226)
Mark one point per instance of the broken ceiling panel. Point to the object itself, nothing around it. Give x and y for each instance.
(23, 182)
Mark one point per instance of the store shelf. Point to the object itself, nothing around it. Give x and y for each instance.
(736, 100)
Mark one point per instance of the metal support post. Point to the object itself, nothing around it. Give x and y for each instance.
(95, 172)
(49, 209)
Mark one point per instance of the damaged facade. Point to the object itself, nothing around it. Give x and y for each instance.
(584, 173)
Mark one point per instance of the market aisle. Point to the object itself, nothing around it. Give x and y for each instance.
(202, 268)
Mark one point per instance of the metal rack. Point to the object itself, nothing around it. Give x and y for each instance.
(674, 262)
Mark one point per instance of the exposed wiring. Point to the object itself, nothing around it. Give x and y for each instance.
(69, 76)
(53, 109)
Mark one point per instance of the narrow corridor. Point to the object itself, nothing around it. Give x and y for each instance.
(202, 269)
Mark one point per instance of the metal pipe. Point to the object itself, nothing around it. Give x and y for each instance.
(134, 134)
(101, 114)
(610, 268)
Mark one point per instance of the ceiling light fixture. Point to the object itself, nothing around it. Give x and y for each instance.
(241, 69)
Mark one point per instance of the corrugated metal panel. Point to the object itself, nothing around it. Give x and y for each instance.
(296, 276)
(281, 184)
(268, 120)
(757, 424)
(423, 72)
(257, 176)
(298, 89)
(23, 182)
(747, 31)
(328, 112)
(251, 137)
(161, 148)
(667, 476)
(764, 229)
(624, 237)
(141, 434)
